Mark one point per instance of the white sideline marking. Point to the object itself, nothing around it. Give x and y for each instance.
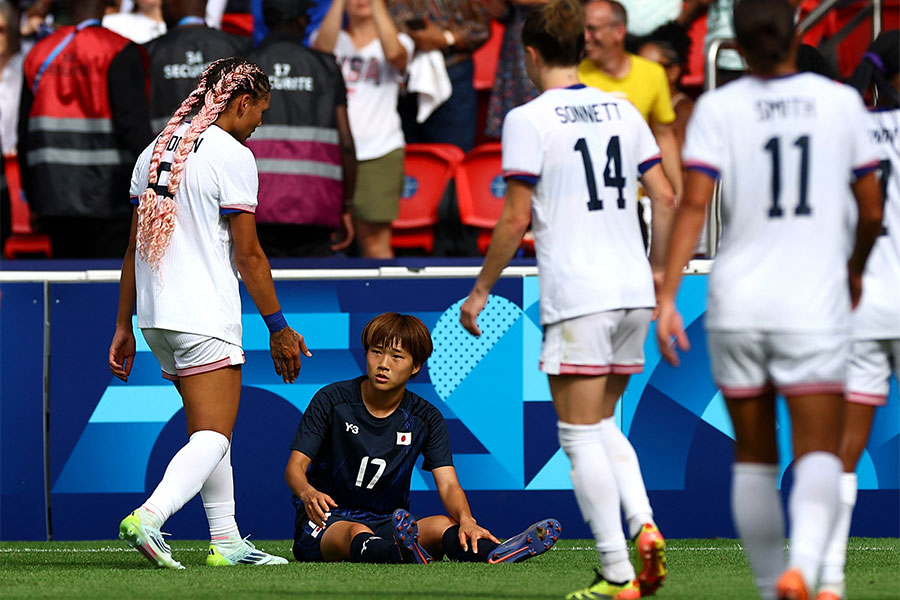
(576, 548)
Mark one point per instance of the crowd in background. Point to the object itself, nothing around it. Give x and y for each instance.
(330, 153)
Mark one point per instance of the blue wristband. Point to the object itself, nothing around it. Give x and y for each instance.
(275, 321)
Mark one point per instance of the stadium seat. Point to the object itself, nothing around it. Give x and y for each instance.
(481, 191)
(238, 23)
(486, 57)
(428, 169)
(22, 240)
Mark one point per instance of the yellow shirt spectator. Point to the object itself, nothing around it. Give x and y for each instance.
(645, 86)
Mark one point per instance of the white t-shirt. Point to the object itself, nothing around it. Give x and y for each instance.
(878, 314)
(137, 27)
(584, 150)
(10, 93)
(787, 150)
(373, 86)
(196, 288)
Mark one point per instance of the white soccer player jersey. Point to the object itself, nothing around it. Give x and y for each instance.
(878, 315)
(196, 289)
(584, 150)
(787, 150)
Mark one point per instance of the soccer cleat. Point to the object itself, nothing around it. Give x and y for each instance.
(406, 533)
(791, 586)
(535, 540)
(148, 541)
(245, 554)
(601, 589)
(651, 548)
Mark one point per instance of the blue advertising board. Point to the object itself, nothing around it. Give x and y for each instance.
(110, 441)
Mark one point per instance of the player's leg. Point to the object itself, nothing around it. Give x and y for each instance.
(356, 542)
(868, 380)
(810, 370)
(739, 369)
(439, 535)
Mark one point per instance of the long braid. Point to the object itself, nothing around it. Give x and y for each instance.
(156, 217)
(148, 207)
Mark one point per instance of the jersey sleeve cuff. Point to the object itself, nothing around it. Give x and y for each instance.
(523, 176)
(135, 200)
(649, 164)
(236, 208)
(865, 168)
(702, 167)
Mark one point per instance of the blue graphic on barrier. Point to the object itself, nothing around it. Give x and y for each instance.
(110, 441)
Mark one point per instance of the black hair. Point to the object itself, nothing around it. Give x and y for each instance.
(765, 32)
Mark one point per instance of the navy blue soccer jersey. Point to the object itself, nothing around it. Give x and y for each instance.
(363, 462)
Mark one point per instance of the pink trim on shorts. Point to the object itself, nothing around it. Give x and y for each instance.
(169, 376)
(867, 399)
(627, 369)
(819, 387)
(743, 392)
(591, 370)
(213, 366)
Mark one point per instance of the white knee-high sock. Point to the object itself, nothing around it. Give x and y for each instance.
(625, 467)
(598, 497)
(813, 506)
(836, 554)
(188, 469)
(759, 519)
(218, 502)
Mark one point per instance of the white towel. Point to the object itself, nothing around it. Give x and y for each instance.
(428, 77)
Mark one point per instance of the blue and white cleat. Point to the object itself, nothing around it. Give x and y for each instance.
(148, 541)
(406, 534)
(245, 554)
(535, 540)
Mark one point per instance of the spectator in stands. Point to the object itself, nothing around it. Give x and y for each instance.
(215, 9)
(142, 24)
(373, 58)
(669, 45)
(11, 61)
(179, 57)
(457, 28)
(512, 86)
(304, 151)
(719, 26)
(82, 124)
(609, 67)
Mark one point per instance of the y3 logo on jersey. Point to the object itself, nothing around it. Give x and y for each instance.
(354, 429)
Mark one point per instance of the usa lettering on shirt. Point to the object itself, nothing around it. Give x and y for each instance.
(355, 68)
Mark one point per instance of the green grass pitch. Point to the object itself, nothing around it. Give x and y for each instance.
(698, 568)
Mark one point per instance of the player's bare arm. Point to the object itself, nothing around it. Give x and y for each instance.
(508, 234)
(670, 152)
(285, 344)
(871, 208)
(315, 502)
(454, 499)
(122, 349)
(689, 218)
(662, 199)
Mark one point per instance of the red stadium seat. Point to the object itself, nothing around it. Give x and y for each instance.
(486, 57)
(481, 192)
(238, 23)
(428, 169)
(22, 240)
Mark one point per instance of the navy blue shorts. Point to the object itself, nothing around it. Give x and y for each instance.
(307, 544)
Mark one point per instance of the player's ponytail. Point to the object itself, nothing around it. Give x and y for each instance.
(222, 80)
(556, 31)
(878, 66)
(765, 32)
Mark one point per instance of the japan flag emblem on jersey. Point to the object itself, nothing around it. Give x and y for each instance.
(404, 438)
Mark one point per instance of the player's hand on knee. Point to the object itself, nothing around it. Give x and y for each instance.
(469, 311)
(470, 531)
(317, 505)
(286, 346)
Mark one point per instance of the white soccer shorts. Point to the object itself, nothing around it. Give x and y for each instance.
(869, 373)
(603, 343)
(183, 354)
(745, 364)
